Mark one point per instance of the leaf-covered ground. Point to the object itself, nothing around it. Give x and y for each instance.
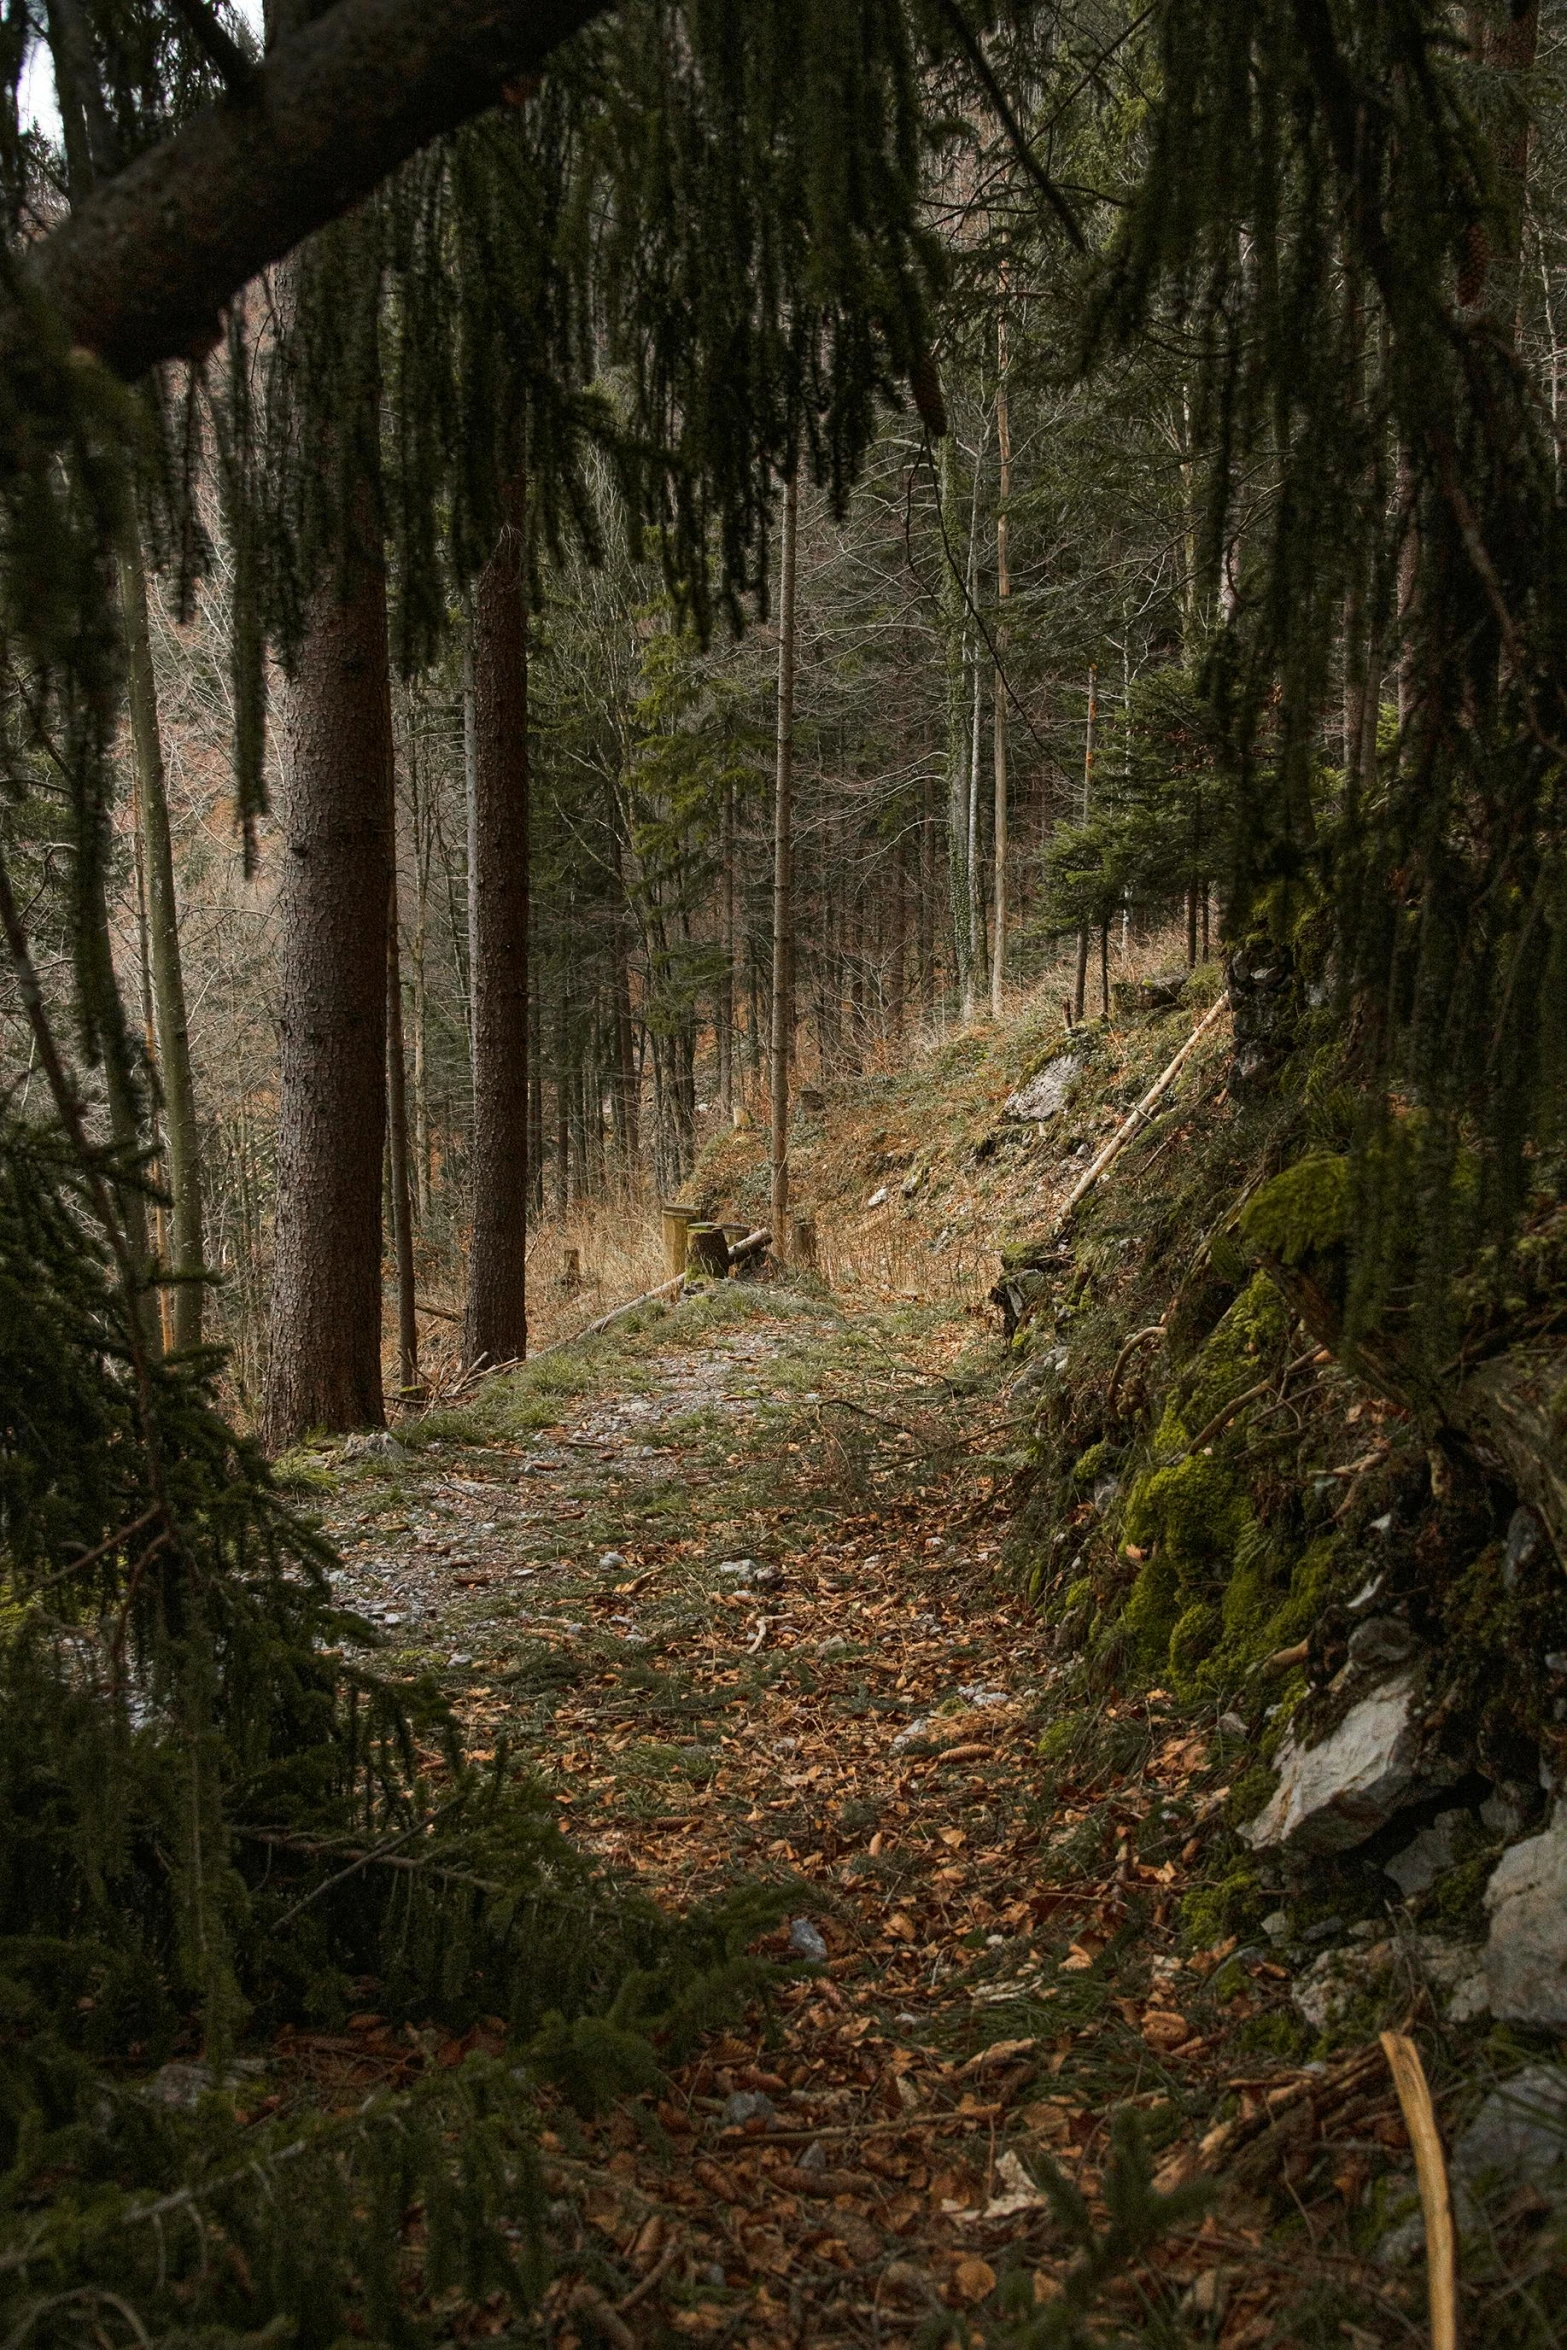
(736, 1587)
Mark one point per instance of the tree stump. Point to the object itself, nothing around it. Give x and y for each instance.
(571, 1271)
(803, 1243)
(708, 1250)
(677, 1227)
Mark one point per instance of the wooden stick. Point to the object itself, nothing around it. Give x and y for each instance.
(1124, 1133)
(1138, 1117)
(1436, 2202)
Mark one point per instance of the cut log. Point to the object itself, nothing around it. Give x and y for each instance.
(707, 1251)
(753, 1245)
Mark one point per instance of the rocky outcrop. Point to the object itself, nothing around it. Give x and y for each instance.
(1046, 1094)
(1333, 1795)
(1508, 1411)
(1526, 1955)
(1264, 997)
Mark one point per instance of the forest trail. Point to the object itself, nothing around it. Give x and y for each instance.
(745, 1623)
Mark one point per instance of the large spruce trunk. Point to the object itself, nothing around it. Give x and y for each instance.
(495, 1325)
(325, 1368)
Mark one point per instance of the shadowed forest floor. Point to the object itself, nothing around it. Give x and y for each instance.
(736, 1586)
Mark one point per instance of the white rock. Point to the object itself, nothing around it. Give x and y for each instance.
(878, 1199)
(1520, 2132)
(1332, 1796)
(1332, 1983)
(1045, 1095)
(1526, 1956)
(1455, 1971)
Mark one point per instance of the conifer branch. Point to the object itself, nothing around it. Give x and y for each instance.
(218, 45)
(144, 268)
(973, 50)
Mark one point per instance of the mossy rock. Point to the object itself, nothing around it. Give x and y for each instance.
(1305, 1212)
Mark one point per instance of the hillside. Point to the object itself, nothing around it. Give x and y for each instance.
(1137, 1714)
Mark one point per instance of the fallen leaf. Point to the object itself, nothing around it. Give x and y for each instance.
(1164, 2030)
(974, 2278)
(999, 2052)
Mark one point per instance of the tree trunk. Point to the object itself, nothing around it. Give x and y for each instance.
(325, 1369)
(783, 870)
(927, 890)
(397, 1157)
(495, 1325)
(163, 940)
(998, 952)
(726, 981)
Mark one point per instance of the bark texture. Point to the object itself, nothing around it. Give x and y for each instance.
(170, 1016)
(783, 869)
(495, 1325)
(142, 271)
(325, 1368)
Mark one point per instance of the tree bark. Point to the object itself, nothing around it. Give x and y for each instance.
(726, 980)
(998, 952)
(783, 868)
(397, 1156)
(325, 1369)
(143, 270)
(495, 1326)
(171, 1022)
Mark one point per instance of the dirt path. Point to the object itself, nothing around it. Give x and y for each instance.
(721, 1595)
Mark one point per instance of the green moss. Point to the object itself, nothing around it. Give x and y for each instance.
(1195, 1513)
(1095, 1463)
(1210, 1913)
(1303, 1212)
(1154, 1610)
(1248, 1334)
(1194, 1638)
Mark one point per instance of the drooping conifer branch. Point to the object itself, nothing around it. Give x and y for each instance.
(142, 271)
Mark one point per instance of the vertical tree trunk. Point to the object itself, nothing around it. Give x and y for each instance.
(495, 1323)
(535, 1097)
(976, 894)
(783, 873)
(470, 780)
(1088, 785)
(627, 1084)
(325, 1368)
(163, 940)
(563, 1101)
(897, 964)
(397, 1156)
(424, 843)
(998, 952)
(927, 897)
(726, 981)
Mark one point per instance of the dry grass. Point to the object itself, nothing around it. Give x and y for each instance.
(619, 1251)
(916, 1101)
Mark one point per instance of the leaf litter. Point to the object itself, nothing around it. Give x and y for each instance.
(722, 1668)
